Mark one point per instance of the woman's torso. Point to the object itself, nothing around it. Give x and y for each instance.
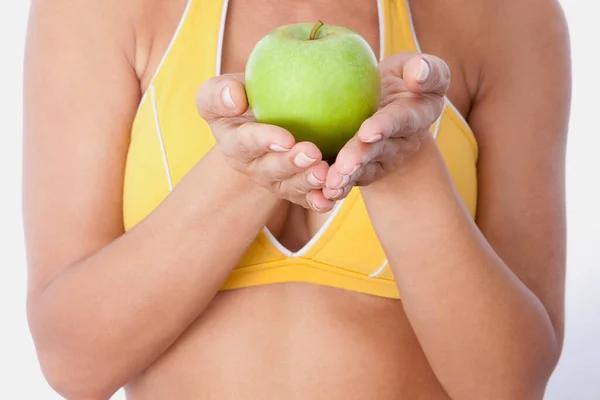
(294, 340)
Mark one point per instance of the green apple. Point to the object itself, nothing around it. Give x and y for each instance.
(320, 82)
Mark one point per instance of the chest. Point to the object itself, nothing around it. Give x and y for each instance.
(215, 37)
(436, 24)
(249, 20)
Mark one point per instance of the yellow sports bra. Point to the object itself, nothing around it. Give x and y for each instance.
(168, 138)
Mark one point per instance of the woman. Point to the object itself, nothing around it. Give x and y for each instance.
(426, 262)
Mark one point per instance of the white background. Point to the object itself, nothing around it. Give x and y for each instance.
(578, 374)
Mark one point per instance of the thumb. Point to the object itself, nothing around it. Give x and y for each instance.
(221, 97)
(420, 73)
(427, 74)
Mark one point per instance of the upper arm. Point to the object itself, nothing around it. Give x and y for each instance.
(520, 118)
(80, 96)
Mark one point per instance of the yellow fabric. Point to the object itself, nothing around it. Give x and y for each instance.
(168, 138)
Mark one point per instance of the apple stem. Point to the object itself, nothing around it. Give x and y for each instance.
(315, 29)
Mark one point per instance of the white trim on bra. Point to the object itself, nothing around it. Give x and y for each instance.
(168, 50)
(281, 248)
(379, 270)
(436, 130)
(290, 254)
(381, 30)
(160, 138)
(418, 46)
(218, 61)
(222, 23)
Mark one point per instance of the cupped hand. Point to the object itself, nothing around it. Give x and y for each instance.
(412, 99)
(267, 154)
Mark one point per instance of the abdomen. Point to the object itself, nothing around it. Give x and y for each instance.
(289, 341)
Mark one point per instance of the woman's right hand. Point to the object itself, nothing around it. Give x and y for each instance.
(267, 154)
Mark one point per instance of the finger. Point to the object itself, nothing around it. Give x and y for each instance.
(336, 181)
(311, 179)
(280, 166)
(427, 74)
(364, 176)
(349, 160)
(252, 140)
(405, 116)
(222, 96)
(352, 160)
(420, 73)
(317, 201)
(304, 188)
(372, 157)
(351, 155)
(337, 194)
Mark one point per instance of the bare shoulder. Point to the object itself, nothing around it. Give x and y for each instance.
(140, 29)
(515, 22)
(108, 21)
(486, 42)
(520, 39)
(522, 52)
(523, 48)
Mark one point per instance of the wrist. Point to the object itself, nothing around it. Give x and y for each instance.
(233, 186)
(415, 172)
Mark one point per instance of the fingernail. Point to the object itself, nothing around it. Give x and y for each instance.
(302, 160)
(373, 139)
(356, 167)
(313, 180)
(424, 71)
(313, 205)
(277, 148)
(227, 100)
(344, 182)
(337, 193)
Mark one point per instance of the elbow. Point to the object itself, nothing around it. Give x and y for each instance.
(69, 365)
(76, 391)
(529, 391)
(546, 364)
(74, 386)
(66, 377)
(531, 383)
(521, 378)
(530, 373)
(523, 384)
(521, 390)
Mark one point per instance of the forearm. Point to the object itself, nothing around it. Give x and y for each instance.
(485, 333)
(108, 316)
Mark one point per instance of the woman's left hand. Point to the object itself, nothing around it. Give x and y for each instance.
(413, 87)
